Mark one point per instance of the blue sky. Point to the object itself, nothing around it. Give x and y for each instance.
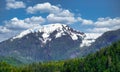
(89, 16)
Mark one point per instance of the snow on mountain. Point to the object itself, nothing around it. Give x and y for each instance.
(61, 29)
(90, 38)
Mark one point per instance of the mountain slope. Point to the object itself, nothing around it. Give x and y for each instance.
(105, 60)
(104, 40)
(50, 42)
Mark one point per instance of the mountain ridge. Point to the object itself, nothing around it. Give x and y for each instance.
(47, 29)
(104, 40)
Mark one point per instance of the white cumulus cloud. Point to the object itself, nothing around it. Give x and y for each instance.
(55, 13)
(105, 24)
(85, 21)
(18, 24)
(4, 30)
(12, 4)
(43, 7)
(52, 18)
(98, 30)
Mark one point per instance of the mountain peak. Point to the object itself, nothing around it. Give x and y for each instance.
(46, 28)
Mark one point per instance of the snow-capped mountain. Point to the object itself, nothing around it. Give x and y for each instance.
(89, 39)
(46, 30)
(42, 43)
(55, 42)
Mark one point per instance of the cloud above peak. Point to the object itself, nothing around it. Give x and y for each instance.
(55, 13)
(43, 7)
(18, 24)
(13, 4)
(52, 18)
(48, 8)
(52, 14)
(105, 24)
(85, 21)
(4, 30)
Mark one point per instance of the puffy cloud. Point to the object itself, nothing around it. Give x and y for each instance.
(85, 21)
(98, 30)
(4, 36)
(5, 33)
(107, 22)
(34, 20)
(111, 23)
(65, 13)
(64, 16)
(4, 30)
(48, 8)
(56, 14)
(18, 24)
(12, 4)
(52, 18)
(44, 7)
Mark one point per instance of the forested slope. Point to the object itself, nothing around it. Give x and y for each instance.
(106, 60)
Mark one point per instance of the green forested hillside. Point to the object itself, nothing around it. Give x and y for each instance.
(10, 60)
(106, 60)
